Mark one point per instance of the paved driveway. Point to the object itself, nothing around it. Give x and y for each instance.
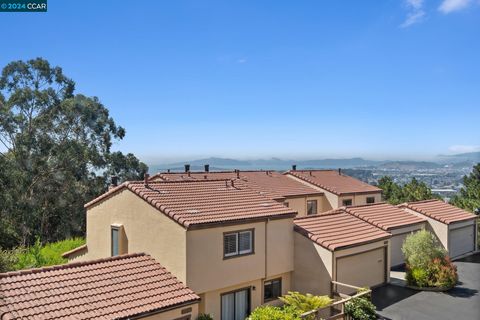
(462, 302)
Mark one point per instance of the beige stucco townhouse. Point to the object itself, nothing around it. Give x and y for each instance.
(227, 242)
(302, 198)
(339, 189)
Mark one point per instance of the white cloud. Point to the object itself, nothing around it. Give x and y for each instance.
(415, 14)
(242, 60)
(448, 6)
(464, 148)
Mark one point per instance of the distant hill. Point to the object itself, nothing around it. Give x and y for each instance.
(273, 164)
(217, 164)
(409, 165)
(469, 157)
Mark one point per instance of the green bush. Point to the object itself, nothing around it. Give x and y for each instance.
(421, 277)
(427, 262)
(37, 255)
(275, 313)
(420, 248)
(204, 316)
(361, 308)
(305, 302)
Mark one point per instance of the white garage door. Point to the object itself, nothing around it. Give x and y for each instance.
(396, 244)
(462, 241)
(365, 269)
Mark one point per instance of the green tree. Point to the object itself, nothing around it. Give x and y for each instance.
(54, 154)
(469, 197)
(411, 191)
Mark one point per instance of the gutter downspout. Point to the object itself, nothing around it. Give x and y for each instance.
(266, 247)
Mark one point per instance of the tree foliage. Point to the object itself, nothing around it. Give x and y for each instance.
(55, 153)
(469, 197)
(412, 191)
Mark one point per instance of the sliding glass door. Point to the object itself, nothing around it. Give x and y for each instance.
(236, 305)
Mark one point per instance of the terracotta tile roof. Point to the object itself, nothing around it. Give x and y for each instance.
(439, 210)
(384, 215)
(112, 288)
(334, 182)
(200, 202)
(274, 184)
(337, 229)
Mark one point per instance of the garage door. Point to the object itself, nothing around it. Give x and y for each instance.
(462, 241)
(396, 249)
(365, 269)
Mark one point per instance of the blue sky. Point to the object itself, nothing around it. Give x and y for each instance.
(257, 79)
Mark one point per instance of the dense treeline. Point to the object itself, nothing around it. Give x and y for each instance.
(55, 154)
(414, 190)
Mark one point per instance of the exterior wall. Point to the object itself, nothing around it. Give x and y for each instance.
(176, 313)
(359, 199)
(313, 267)
(211, 301)
(299, 204)
(207, 270)
(333, 201)
(436, 227)
(145, 230)
(467, 234)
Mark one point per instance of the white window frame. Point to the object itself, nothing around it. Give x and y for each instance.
(239, 252)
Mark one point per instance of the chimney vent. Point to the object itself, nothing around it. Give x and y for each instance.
(238, 174)
(294, 167)
(187, 168)
(339, 171)
(207, 168)
(145, 178)
(168, 170)
(310, 172)
(114, 181)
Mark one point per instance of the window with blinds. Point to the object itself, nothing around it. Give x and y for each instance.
(237, 243)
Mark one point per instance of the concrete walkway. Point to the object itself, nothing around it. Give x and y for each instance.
(462, 302)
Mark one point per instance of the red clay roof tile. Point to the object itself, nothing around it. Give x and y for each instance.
(439, 210)
(274, 184)
(384, 215)
(337, 229)
(197, 202)
(112, 288)
(334, 182)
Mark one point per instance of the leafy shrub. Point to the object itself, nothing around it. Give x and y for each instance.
(420, 248)
(361, 308)
(305, 302)
(275, 313)
(427, 263)
(421, 277)
(7, 260)
(446, 273)
(204, 316)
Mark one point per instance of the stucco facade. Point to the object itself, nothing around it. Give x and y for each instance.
(195, 256)
(333, 201)
(189, 312)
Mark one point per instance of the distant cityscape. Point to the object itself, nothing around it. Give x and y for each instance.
(444, 175)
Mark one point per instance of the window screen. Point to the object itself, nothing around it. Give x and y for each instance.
(230, 244)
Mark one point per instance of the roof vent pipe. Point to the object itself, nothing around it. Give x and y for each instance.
(238, 174)
(294, 167)
(145, 178)
(339, 171)
(207, 168)
(168, 170)
(114, 181)
(187, 168)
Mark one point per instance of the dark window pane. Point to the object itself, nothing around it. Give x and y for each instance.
(114, 242)
(347, 202)
(230, 244)
(245, 242)
(272, 289)
(370, 199)
(311, 207)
